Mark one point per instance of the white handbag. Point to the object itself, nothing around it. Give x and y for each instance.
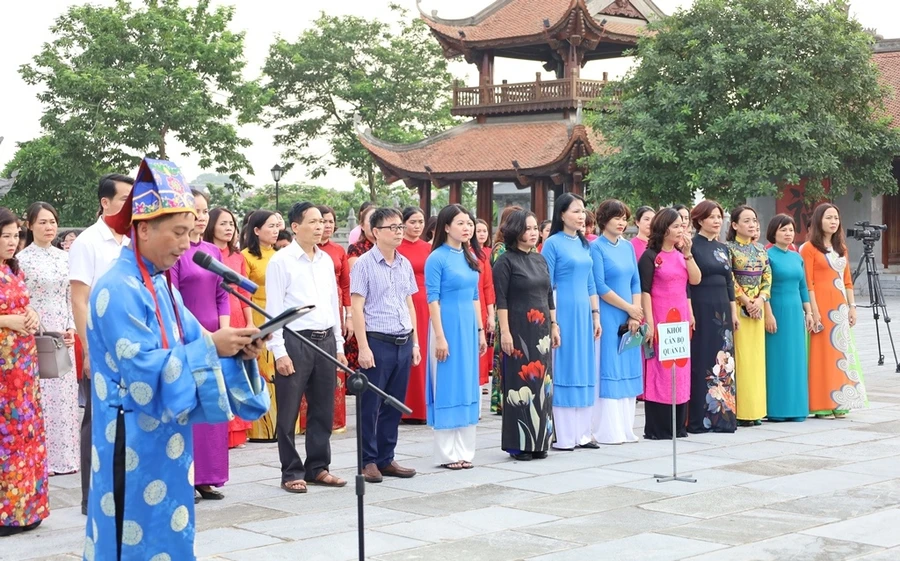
(53, 355)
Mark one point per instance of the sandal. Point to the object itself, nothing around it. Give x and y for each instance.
(325, 479)
(455, 466)
(840, 414)
(467, 465)
(295, 486)
(208, 493)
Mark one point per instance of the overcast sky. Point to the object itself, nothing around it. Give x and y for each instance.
(25, 29)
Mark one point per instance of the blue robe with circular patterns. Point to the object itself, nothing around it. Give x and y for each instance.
(145, 399)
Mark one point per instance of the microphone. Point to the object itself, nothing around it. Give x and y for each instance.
(212, 265)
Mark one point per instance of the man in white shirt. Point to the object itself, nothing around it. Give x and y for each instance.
(302, 274)
(91, 255)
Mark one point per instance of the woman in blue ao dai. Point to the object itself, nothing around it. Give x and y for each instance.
(568, 258)
(618, 283)
(788, 318)
(455, 341)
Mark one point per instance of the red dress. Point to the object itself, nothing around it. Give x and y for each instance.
(351, 347)
(487, 297)
(417, 252)
(23, 451)
(237, 427)
(342, 278)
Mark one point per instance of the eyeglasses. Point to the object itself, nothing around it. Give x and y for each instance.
(393, 228)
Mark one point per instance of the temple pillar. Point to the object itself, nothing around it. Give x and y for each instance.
(539, 199)
(424, 189)
(485, 200)
(455, 193)
(577, 185)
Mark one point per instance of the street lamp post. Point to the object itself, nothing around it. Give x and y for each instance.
(277, 172)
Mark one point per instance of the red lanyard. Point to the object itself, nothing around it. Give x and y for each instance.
(148, 282)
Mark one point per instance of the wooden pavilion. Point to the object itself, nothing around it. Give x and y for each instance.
(529, 133)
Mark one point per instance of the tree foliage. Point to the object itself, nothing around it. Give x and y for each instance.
(47, 173)
(737, 98)
(118, 83)
(393, 76)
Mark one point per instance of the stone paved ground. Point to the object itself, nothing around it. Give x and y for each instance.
(820, 490)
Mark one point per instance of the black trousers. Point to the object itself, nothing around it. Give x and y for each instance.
(84, 388)
(315, 377)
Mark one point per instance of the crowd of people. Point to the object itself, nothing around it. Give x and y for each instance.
(435, 310)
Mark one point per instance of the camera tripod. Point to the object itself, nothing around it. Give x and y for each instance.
(876, 299)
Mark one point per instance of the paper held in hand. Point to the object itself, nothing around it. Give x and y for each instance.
(674, 341)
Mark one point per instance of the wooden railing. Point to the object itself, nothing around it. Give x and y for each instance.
(524, 97)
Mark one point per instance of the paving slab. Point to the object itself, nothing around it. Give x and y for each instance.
(686, 463)
(500, 546)
(885, 555)
(338, 547)
(233, 515)
(707, 479)
(574, 481)
(467, 524)
(861, 451)
(889, 467)
(471, 498)
(890, 427)
(796, 547)
(762, 450)
(227, 540)
(711, 504)
(786, 465)
(642, 547)
(879, 528)
(838, 437)
(814, 482)
(748, 526)
(319, 499)
(589, 501)
(42, 542)
(304, 526)
(847, 503)
(607, 526)
(448, 480)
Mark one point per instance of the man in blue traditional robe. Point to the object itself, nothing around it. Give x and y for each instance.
(155, 373)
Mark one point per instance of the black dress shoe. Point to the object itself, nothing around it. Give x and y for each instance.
(590, 445)
(538, 455)
(522, 456)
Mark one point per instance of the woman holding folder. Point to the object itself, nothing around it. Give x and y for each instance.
(619, 287)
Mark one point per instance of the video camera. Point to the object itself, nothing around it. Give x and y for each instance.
(866, 232)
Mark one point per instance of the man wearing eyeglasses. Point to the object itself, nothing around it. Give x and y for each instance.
(381, 287)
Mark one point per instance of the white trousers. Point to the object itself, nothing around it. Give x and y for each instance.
(613, 420)
(454, 445)
(572, 426)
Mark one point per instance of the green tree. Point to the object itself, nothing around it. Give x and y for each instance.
(121, 82)
(393, 76)
(737, 98)
(441, 197)
(47, 173)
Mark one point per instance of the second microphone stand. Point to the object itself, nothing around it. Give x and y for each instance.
(358, 383)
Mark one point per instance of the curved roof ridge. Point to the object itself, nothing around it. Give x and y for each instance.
(461, 22)
(366, 132)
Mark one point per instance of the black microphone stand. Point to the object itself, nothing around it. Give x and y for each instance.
(358, 383)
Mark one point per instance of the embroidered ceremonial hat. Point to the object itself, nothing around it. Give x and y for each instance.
(159, 189)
